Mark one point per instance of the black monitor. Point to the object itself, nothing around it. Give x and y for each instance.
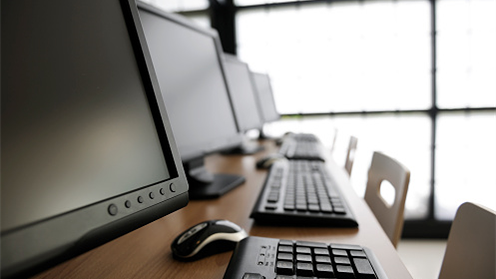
(187, 61)
(266, 98)
(87, 149)
(245, 102)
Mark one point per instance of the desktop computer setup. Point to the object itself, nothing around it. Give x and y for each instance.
(188, 65)
(105, 127)
(88, 152)
(246, 103)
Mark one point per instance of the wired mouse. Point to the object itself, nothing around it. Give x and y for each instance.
(269, 160)
(207, 238)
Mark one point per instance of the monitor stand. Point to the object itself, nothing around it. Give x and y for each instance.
(206, 185)
(247, 147)
(263, 136)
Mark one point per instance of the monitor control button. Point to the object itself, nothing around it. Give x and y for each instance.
(127, 204)
(161, 191)
(151, 195)
(172, 187)
(112, 209)
(140, 199)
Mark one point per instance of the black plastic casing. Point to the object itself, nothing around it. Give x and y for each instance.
(31, 248)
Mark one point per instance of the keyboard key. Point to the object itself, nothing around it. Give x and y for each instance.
(289, 207)
(304, 269)
(285, 256)
(303, 258)
(273, 198)
(285, 249)
(314, 208)
(358, 254)
(303, 250)
(321, 251)
(346, 247)
(326, 208)
(364, 268)
(339, 252)
(271, 206)
(341, 260)
(323, 259)
(345, 271)
(324, 270)
(284, 267)
(286, 242)
(339, 210)
(313, 200)
(301, 207)
(311, 244)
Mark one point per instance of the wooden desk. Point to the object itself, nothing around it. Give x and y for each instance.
(145, 252)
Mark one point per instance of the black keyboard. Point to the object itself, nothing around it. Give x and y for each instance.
(268, 258)
(301, 192)
(302, 146)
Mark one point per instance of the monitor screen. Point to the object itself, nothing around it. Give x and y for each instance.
(242, 93)
(188, 63)
(266, 97)
(85, 138)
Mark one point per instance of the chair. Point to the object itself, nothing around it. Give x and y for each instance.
(390, 216)
(350, 155)
(471, 247)
(334, 138)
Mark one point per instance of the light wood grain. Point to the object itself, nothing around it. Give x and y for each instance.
(145, 252)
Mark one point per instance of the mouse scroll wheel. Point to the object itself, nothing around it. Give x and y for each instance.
(191, 232)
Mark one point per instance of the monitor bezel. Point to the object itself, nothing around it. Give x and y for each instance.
(266, 76)
(31, 248)
(219, 144)
(230, 58)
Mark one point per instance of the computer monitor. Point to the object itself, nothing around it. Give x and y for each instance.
(87, 149)
(266, 98)
(187, 61)
(245, 103)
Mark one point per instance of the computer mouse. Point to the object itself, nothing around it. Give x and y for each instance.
(268, 161)
(207, 238)
(279, 141)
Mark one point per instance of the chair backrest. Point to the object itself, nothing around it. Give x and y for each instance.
(350, 155)
(334, 138)
(471, 248)
(390, 216)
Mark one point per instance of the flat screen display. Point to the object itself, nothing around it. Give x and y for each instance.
(74, 130)
(82, 133)
(266, 97)
(242, 92)
(189, 70)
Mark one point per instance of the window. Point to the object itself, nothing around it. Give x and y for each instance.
(466, 53)
(341, 56)
(414, 79)
(195, 10)
(179, 5)
(466, 161)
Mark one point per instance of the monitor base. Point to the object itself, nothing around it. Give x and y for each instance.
(206, 185)
(221, 184)
(245, 149)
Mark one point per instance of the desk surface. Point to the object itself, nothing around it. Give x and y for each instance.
(145, 252)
